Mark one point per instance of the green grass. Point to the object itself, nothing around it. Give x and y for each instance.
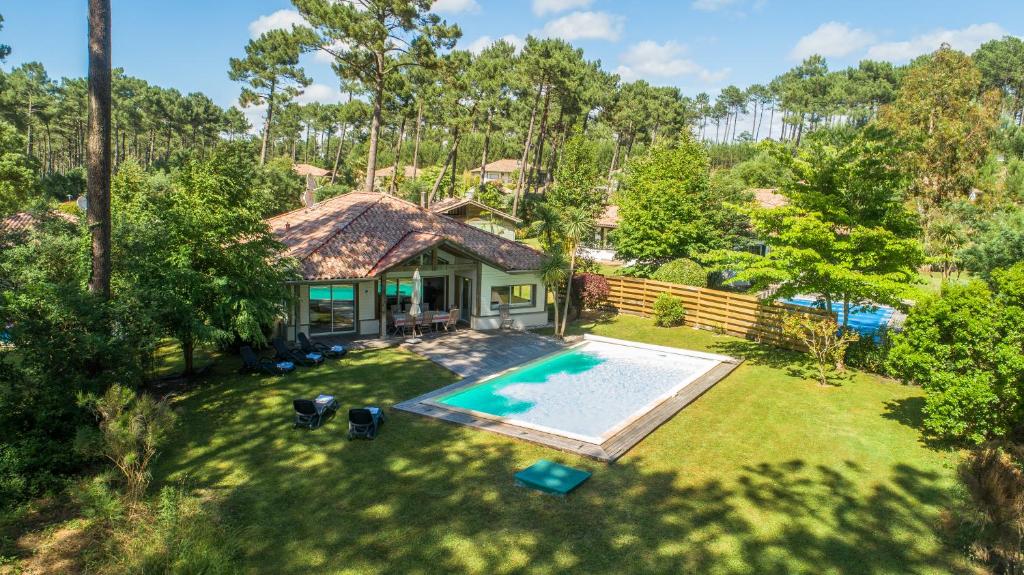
(766, 473)
(931, 284)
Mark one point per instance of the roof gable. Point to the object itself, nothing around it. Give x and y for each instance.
(361, 234)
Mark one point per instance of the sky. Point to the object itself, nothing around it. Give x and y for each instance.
(698, 45)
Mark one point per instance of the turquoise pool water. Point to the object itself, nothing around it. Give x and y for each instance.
(863, 320)
(588, 392)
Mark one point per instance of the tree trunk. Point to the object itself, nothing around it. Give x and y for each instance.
(615, 157)
(535, 168)
(99, 146)
(444, 168)
(371, 160)
(416, 140)
(526, 154)
(568, 290)
(266, 125)
(398, 158)
(487, 143)
(337, 156)
(554, 297)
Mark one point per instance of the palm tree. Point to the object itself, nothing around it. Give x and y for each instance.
(554, 272)
(546, 225)
(99, 145)
(577, 225)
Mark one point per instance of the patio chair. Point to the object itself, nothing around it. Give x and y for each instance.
(426, 321)
(364, 422)
(312, 413)
(334, 351)
(296, 355)
(254, 363)
(506, 317)
(453, 320)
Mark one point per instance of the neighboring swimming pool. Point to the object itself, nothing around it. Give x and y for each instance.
(590, 392)
(862, 319)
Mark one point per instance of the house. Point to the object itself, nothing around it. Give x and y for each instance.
(382, 176)
(357, 253)
(478, 215)
(601, 248)
(14, 227)
(769, 198)
(504, 172)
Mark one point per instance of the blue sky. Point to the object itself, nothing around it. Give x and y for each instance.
(698, 45)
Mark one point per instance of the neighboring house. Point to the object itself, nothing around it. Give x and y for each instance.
(382, 177)
(357, 253)
(769, 199)
(601, 249)
(478, 215)
(314, 179)
(14, 227)
(504, 172)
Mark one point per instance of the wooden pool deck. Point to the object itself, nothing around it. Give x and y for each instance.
(608, 451)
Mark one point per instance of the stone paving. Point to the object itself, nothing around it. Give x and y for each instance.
(475, 354)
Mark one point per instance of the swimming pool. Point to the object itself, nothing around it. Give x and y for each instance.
(589, 392)
(862, 319)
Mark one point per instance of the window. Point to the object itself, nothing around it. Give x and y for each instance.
(399, 294)
(521, 295)
(332, 308)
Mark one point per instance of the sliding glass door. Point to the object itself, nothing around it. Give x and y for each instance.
(332, 308)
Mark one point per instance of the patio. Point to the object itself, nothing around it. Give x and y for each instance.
(475, 353)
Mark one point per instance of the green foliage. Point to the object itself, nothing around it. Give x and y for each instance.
(17, 172)
(65, 343)
(326, 192)
(668, 311)
(871, 353)
(991, 509)
(200, 255)
(966, 348)
(764, 170)
(668, 210)
(682, 271)
(131, 428)
(998, 243)
(577, 176)
(825, 342)
(281, 187)
(62, 186)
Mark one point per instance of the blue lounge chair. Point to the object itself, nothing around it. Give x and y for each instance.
(285, 353)
(254, 363)
(334, 351)
(312, 413)
(364, 422)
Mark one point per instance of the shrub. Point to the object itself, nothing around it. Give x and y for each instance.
(993, 505)
(668, 311)
(329, 191)
(871, 353)
(131, 429)
(589, 290)
(682, 271)
(966, 349)
(825, 343)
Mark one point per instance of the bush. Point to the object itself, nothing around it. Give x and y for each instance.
(589, 290)
(992, 507)
(329, 191)
(825, 342)
(871, 353)
(61, 187)
(966, 349)
(668, 311)
(682, 271)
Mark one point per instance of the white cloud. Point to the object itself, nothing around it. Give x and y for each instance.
(542, 7)
(585, 26)
(321, 93)
(478, 45)
(711, 5)
(280, 19)
(832, 39)
(455, 6)
(649, 59)
(966, 39)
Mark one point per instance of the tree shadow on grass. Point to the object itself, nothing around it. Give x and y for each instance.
(909, 411)
(759, 353)
(432, 497)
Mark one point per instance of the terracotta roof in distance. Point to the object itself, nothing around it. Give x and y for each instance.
(769, 198)
(310, 170)
(449, 204)
(390, 171)
(609, 218)
(506, 165)
(24, 221)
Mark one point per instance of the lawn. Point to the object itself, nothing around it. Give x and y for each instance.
(766, 473)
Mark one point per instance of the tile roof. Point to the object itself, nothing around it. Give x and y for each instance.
(507, 165)
(361, 234)
(449, 204)
(609, 218)
(310, 170)
(24, 221)
(769, 198)
(390, 170)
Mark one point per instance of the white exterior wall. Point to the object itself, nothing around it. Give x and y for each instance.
(366, 300)
(523, 317)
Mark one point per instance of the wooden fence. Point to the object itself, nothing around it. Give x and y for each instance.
(735, 314)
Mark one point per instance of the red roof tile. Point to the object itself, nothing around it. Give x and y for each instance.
(24, 221)
(361, 234)
(609, 218)
(449, 204)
